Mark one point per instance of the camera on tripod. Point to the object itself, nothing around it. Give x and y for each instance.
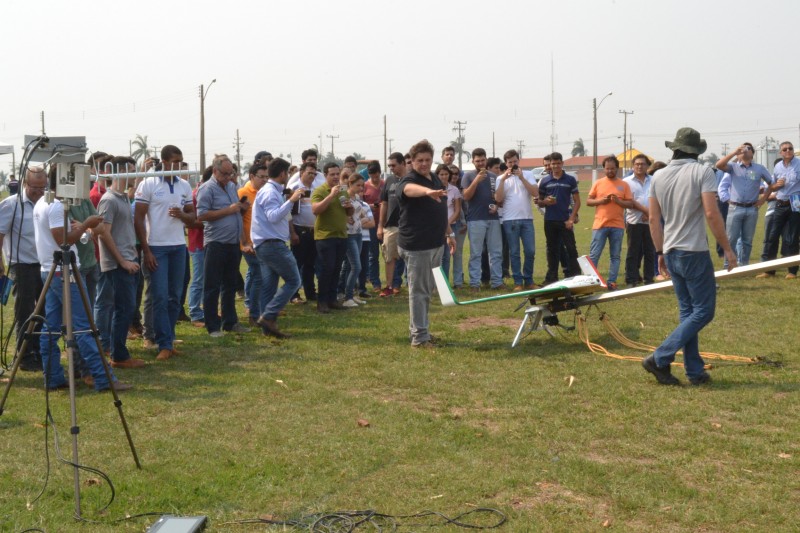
(73, 176)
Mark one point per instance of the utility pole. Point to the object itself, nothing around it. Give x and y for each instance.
(553, 136)
(130, 147)
(724, 149)
(459, 129)
(42, 116)
(237, 144)
(625, 138)
(332, 137)
(493, 147)
(320, 144)
(520, 146)
(155, 152)
(203, 93)
(390, 145)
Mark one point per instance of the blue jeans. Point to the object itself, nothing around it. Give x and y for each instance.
(51, 353)
(693, 280)
(252, 285)
(166, 284)
(374, 270)
(521, 231)
(457, 258)
(488, 232)
(196, 286)
(222, 262)
(614, 236)
(741, 224)
(118, 288)
(277, 261)
(353, 265)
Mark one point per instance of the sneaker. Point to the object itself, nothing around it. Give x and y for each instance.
(427, 345)
(128, 363)
(663, 375)
(239, 328)
(791, 276)
(163, 355)
(765, 275)
(349, 303)
(359, 301)
(385, 293)
(216, 334)
(702, 379)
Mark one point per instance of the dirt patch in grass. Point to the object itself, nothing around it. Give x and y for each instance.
(476, 322)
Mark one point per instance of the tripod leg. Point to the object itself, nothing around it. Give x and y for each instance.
(96, 335)
(29, 331)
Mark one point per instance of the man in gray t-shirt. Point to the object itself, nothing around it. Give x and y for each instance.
(684, 195)
(116, 287)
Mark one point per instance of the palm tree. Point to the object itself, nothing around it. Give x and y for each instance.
(578, 150)
(141, 151)
(461, 151)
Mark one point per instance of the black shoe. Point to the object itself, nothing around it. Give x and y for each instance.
(183, 317)
(30, 364)
(702, 379)
(336, 305)
(364, 294)
(663, 375)
(323, 308)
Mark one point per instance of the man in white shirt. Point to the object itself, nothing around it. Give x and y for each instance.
(165, 204)
(49, 231)
(637, 222)
(515, 192)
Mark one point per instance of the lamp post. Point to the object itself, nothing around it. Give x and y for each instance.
(203, 123)
(595, 105)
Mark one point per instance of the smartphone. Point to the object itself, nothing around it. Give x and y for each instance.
(243, 199)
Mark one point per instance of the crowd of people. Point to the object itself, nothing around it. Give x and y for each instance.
(310, 234)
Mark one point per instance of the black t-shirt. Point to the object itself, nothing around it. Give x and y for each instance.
(423, 221)
(389, 194)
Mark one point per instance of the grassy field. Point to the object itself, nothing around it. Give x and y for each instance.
(556, 438)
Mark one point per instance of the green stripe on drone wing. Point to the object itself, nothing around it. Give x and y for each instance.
(448, 298)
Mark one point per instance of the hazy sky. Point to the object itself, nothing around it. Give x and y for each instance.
(289, 71)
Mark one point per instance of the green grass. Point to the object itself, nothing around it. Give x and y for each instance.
(244, 426)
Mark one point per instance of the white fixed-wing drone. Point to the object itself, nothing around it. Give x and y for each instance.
(578, 291)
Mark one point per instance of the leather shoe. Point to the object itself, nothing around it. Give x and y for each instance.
(323, 308)
(270, 328)
(663, 375)
(702, 379)
(128, 363)
(163, 355)
(337, 305)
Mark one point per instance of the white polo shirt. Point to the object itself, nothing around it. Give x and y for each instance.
(46, 217)
(160, 194)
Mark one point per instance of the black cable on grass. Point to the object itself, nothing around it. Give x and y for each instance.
(348, 521)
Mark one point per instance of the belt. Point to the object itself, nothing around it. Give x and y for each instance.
(737, 204)
(273, 240)
(782, 203)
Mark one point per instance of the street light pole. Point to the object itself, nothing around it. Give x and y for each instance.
(203, 124)
(595, 105)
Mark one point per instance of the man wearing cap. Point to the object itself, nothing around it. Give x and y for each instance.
(785, 220)
(741, 186)
(683, 195)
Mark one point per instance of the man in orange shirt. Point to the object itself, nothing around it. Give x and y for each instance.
(252, 280)
(610, 196)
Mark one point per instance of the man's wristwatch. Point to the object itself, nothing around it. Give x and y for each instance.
(451, 235)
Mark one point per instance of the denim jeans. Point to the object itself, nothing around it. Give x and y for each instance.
(252, 285)
(741, 224)
(374, 250)
(352, 267)
(196, 286)
(91, 277)
(419, 272)
(614, 236)
(276, 261)
(219, 285)
(488, 232)
(51, 353)
(399, 270)
(517, 231)
(693, 280)
(331, 253)
(166, 283)
(114, 309)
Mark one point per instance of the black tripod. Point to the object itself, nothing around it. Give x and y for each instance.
(65, 259)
